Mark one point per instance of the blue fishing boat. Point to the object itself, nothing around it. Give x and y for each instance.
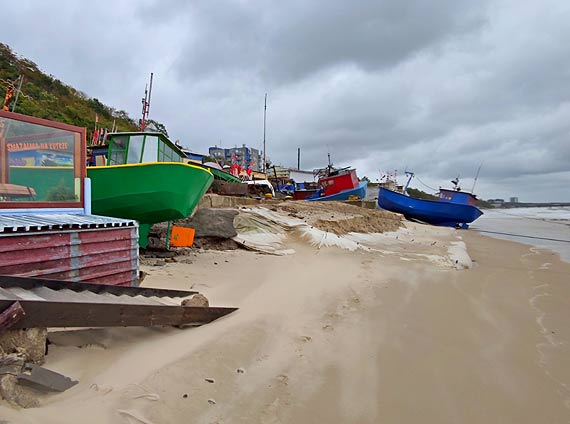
(453, 208)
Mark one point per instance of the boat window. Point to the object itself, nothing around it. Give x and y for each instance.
(117, 158)
(167, 154)
(118, 150)
(150, 153)
(161, 148)
(39, 162)
(135, 149)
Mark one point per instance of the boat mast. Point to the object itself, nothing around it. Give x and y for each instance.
(475, 180)
(330, 166)
(146, 103)
(410, 176)
(264, 121)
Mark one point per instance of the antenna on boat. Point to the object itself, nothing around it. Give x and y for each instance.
(455, 183)
(146, 103)
(330, 165)
(476, 176)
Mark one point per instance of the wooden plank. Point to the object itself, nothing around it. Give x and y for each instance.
(11, 316)
(16, 190)
(85, 314)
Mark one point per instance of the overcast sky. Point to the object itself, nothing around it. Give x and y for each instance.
(436, 87)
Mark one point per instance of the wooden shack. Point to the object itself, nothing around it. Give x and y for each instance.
(46, 226)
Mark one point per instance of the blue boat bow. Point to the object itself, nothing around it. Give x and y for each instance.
(443, 213)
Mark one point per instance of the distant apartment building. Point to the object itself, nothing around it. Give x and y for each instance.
(514, 199)
(497, 203)
(244, 156)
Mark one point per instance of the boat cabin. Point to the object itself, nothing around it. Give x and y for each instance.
(455, 196)
(134, 147)
(337, 181)
(141, 147)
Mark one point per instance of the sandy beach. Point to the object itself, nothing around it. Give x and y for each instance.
(421, 324)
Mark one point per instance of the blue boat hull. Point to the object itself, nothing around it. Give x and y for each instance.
(359, 192)
(430, 211)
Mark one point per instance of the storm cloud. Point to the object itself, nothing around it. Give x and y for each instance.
(439, 88)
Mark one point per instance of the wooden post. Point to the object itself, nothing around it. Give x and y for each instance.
(11, 315)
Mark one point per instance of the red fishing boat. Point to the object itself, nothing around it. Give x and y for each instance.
(338, 184)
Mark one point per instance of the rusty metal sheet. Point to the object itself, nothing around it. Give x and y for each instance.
(49, 303)
(103, 253)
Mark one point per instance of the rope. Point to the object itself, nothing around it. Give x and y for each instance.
(424, 184)
(521, 235)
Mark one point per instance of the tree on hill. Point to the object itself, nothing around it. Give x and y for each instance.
(45, 96)
(418, 194)
(483, 204)
(153, 125)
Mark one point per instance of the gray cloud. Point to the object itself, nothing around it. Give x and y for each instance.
(285, 42)
(438, 87)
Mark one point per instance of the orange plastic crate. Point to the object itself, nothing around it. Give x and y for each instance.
(181, 237)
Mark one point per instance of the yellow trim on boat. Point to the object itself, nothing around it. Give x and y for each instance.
(151, 163)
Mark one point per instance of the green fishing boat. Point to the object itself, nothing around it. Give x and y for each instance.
(144, 177)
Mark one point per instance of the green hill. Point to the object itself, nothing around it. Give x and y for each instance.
(44, 96)
(418, 194)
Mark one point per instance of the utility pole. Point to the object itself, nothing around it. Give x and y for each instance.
(264, 121)
(21, 78)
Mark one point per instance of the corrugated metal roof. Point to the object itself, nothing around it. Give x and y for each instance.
(45, 294)
(45, 222)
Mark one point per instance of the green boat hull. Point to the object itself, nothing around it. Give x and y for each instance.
(224, 176)
(219, 174)
(148, 192)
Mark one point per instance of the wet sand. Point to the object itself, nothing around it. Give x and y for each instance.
(400, 333)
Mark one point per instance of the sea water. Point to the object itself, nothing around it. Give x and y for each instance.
(545, 227)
